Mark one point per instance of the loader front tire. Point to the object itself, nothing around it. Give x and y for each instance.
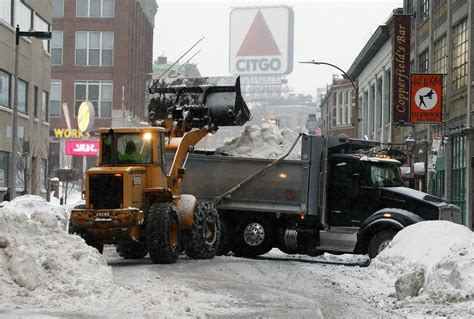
(202, 240)
(163, 233)
(132, 250)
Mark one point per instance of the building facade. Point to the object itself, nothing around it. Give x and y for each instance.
(34, 69)
(338, 114)
(441, 43)
(101, 53)
(441, 36)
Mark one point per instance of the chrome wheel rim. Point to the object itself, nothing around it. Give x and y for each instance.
(254, 234)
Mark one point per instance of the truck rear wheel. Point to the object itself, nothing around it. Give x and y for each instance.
(163, 233)
(380, 241)
(202, 240)
(132, 250)
(254, 238)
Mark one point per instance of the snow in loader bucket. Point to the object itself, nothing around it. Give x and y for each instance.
(205, 101)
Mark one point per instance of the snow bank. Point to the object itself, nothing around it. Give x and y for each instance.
(266, 141)
(40, 263)
(432, 260)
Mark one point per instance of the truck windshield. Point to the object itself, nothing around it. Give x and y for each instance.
(384, 175)
(130, 148)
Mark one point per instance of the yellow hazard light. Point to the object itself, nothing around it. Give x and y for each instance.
(118, 174)
(147, 136)
(387, 215)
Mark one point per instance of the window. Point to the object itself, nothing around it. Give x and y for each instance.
(23, 16)
(57, 48)
(55, 99)
(423, 60)
(3, 169)
(6, 11)
(41, 25)
(45, 106)
(98, 93)
(22, 96)
(58, 8)
(460, 56)
(95, 8)
(424, 10)
(94, 48)
(35, 102)
(5, 85)
(441, 59)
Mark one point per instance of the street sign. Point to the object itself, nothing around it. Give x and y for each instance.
(426, 98)
(261, 40)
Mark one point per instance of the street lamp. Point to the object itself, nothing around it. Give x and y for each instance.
(410, 144)
(334, 66)
(356, 89)
(12, 163)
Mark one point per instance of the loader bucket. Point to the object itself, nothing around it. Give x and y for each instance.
(213, 101)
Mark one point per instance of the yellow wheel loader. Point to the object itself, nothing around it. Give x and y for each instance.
(133, 197)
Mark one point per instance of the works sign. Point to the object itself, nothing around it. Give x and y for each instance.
(261, 41)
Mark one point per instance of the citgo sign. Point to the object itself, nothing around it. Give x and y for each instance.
(261, 40)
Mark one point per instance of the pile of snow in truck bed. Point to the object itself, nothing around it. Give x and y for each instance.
(266, 141)
(40, 263)
(431, 261)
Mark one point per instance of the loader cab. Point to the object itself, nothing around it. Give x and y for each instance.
(130, 147)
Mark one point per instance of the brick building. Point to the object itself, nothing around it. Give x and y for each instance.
(102, 53)
(337, 109)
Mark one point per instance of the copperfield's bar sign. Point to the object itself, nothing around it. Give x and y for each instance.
(401, 68)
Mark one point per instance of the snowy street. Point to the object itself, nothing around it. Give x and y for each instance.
(47, 273)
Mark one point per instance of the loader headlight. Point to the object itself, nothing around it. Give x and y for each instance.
(147, 136)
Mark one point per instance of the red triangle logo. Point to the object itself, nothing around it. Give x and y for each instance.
(259, 39)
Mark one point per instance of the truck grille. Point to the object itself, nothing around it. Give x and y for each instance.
(105, 191)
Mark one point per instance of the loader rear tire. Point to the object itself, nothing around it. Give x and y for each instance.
(132, 250)
(254, 237)
(163, 233)
(202, 240)
(225, 245)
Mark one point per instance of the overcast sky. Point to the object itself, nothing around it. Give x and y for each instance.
(330, 31)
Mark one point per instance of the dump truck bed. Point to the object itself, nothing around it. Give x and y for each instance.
(281, 189)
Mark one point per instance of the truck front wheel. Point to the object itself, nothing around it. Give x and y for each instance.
(254, 238)
(380, 241)
(163, 233)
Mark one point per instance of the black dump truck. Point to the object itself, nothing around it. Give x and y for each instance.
(339, 197)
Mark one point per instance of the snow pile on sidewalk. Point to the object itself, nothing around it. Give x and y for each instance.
(40, 263)
(432, 261)
(266, 141)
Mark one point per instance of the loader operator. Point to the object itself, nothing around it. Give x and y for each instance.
(131, 156)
